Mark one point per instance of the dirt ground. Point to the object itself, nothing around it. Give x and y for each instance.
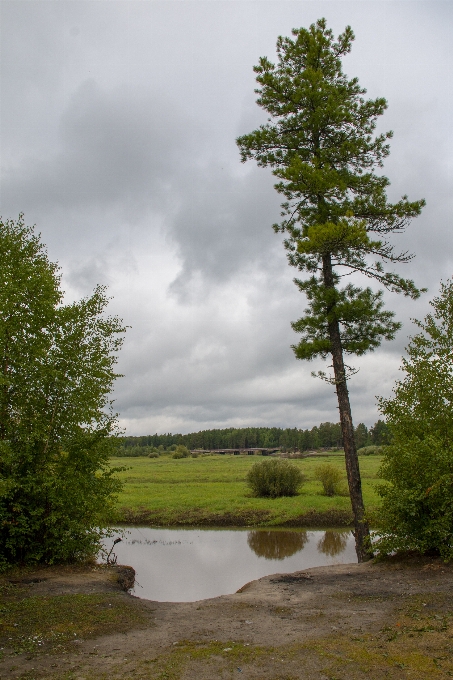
(374, 620)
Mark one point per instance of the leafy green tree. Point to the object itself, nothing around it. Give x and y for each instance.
(417, 508)
(361, 435)
(56, 421)
(329, 434)
(379, 433)
(319, 141)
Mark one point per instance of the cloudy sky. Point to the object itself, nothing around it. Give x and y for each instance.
(118, 127)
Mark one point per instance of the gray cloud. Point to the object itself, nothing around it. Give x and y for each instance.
(114, 147)
(220, 228)
(117, 132)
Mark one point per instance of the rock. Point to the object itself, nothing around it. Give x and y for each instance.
(125, 577)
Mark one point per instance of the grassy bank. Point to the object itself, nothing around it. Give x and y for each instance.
(211, 491)
(52, 622)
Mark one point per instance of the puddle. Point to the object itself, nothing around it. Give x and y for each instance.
(185, 565)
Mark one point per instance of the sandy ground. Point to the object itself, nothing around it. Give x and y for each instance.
(274, 612)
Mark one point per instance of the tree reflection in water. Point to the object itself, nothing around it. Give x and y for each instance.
(333, 542)
(276, 545)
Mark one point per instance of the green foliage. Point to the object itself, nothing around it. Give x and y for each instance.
(325, 435)
(331, 478)
(361, 435)
(181, 451)
(371, 451)
(153, 454)
(319, 141)
(417, 509)
(274, 478)
(56, 423)
(380, 433)
(137, 451)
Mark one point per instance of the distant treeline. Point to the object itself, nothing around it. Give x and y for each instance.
(327, 435)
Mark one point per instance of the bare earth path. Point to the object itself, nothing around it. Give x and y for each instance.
(384, 620)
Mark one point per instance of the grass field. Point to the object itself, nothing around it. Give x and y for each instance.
(211, 491)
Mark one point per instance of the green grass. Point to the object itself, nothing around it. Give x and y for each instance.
(33, 624)
(211, 490)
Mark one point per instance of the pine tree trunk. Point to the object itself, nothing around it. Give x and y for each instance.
(361, 529)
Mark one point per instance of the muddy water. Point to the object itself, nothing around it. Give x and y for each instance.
(185, 565)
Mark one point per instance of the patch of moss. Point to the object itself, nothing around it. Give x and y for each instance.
(417, 641)
(44, 623)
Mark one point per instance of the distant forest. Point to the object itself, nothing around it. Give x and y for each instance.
(327, 435)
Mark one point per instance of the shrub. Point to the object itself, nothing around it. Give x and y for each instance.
(274, 478)
(331, 479)
(417, 468)
(370, 450)
(181, 452)
(177, 455)
(135, 451)
(153, 454)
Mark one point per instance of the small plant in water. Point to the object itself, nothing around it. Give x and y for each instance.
(111, 557)
(274, 478)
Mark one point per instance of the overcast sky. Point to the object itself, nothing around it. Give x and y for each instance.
(118, 127)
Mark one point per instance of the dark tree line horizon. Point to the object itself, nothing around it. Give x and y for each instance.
(326, 435)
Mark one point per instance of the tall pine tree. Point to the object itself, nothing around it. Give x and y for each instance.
(319, 141)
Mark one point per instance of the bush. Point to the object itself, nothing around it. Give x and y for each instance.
(331, 479)
(370, 450)
(181, 452)
(134, 451)
(417, 468)
(56, 484)
(274, 478)
(153, 454)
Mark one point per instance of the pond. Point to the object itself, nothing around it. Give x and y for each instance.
(186, 565)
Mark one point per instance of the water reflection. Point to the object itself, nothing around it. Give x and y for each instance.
(184, 565)
(333, 542)
(276, 545)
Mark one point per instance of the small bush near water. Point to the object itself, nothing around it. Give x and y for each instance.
(331, 479)
(274, 478)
